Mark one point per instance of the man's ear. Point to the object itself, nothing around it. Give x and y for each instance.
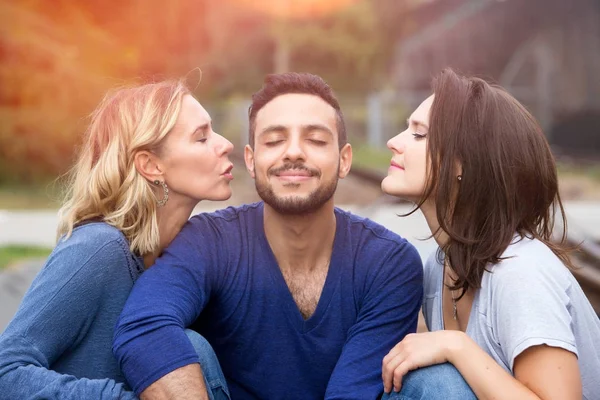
(249, 160)
(148, 165)
(345, 160)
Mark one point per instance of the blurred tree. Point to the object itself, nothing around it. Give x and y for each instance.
(345, 48)
(51, 76)
(58, 59)
(238, 52)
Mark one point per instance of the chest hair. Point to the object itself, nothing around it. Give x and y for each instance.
(306, 288)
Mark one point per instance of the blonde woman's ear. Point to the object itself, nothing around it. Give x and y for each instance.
(148, 165)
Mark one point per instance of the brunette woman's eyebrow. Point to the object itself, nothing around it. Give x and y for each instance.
(418, 123)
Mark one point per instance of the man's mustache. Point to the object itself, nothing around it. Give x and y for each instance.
(294, 166)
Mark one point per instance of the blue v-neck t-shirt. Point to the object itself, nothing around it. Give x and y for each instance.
(220, 277)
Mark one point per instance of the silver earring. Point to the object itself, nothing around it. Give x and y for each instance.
(162, 201)
(459, 178)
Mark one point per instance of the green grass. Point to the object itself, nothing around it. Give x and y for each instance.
(591, 171)
(379, 159)
(11, 254)
(47, 196)
(19, 197)
(368, 157)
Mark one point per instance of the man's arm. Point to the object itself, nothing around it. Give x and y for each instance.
(181, 384)
(389, 311)
(150, 343)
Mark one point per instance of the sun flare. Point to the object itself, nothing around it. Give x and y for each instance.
(295, 9)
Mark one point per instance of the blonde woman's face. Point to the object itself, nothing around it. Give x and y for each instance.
(195, 159)
(407, 175)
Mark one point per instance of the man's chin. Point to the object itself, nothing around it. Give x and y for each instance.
(292, 192)
(295, 203)
(283, 186)
(291, 199)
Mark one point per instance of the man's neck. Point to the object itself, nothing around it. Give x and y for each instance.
(301, 242)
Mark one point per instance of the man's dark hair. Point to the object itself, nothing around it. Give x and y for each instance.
(300, 83)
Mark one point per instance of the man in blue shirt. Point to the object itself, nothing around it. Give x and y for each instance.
(299, 299)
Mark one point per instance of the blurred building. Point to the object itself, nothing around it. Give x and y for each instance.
(545, 52)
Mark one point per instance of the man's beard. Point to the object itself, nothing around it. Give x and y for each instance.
(296, 205)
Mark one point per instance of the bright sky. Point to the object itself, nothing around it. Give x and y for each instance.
(296, 8)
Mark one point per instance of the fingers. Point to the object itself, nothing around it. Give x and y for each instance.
(399, 373)
(390, 365)
(396, 364)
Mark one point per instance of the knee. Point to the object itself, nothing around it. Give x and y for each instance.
(211, 369)
(203, 349)
(441, 381)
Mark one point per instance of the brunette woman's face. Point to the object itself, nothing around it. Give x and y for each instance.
(407, 175)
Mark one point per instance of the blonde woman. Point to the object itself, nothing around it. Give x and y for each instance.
(150, 156)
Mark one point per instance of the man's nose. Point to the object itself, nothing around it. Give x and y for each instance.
(295, 151)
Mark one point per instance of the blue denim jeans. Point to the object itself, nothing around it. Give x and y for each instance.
(211, 369)
(441, 381)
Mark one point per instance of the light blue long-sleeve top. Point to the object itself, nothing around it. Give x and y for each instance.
(58, 345)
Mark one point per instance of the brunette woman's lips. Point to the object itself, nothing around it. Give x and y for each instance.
(394, 166)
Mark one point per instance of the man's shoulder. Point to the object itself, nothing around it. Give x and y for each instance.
(236, 212)
(373, 244)
(363, 226)
(230, 216)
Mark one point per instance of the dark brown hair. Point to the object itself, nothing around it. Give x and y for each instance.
(508, 181)
(295, 82)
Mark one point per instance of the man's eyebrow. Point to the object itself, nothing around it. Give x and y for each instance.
(418, 123)
(317, 127)
(274, 128)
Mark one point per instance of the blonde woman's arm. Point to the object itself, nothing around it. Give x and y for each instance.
(50, 334)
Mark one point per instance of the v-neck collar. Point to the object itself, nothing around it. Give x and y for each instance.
(283, 291)
(441, 302)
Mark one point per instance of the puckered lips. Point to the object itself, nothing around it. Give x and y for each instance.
(227, 173)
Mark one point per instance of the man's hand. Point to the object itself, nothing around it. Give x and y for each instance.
(185, 383)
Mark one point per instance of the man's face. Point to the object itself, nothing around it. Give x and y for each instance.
(296, 161)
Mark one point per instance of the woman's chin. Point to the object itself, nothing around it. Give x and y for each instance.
(223, 197)
(220, 195)
(388, 187)
(399, 193)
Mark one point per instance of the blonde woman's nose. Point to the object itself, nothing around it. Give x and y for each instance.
(225, 146)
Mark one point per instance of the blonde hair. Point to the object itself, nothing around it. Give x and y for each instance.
(104, 183)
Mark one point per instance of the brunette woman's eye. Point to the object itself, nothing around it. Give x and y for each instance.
(419, 136)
